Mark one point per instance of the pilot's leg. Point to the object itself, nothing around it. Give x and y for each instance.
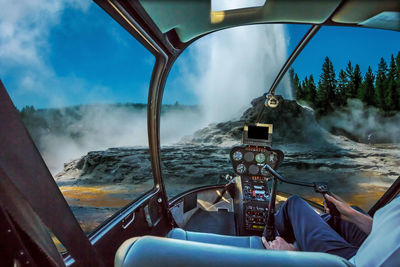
(296, 220)
(349, 231)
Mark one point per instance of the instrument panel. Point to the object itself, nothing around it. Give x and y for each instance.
(249, 160)
(255, 202)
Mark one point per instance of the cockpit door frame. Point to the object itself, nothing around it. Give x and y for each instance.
(388, 196)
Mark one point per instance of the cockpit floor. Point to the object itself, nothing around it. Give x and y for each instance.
(217, 222)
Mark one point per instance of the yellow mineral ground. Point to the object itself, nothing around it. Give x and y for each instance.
(94, 196)
(366, 199)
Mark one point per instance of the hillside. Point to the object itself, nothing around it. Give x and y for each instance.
(75, 122)
(292, 123)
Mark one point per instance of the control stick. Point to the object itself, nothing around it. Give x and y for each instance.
(323, 189)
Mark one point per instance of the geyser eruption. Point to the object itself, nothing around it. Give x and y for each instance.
(227, 69)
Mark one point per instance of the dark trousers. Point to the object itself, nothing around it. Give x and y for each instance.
(297, 221)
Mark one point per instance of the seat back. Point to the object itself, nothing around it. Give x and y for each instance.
(158, 251)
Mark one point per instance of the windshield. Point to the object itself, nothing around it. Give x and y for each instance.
(210, 87)
(326, 125)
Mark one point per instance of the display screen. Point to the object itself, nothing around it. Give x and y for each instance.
(257, 132)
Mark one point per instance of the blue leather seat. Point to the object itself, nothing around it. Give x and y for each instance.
(153, 251)
(235, 241)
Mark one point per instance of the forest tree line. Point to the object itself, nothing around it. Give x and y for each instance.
(380, 89)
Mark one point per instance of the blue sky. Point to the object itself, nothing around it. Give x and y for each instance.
(359, 45)
(78, 54)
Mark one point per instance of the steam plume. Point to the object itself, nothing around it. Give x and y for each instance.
(365, 124)
(227, 69)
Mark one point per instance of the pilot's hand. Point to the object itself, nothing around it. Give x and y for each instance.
(278, 244)
(346, 212)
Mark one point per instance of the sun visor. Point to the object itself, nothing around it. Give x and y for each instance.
(389, 20)
(373, 14)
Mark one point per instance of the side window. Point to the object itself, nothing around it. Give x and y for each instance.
(347, 80)
(80, 82)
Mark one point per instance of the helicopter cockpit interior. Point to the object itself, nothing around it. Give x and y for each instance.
(196, 202)
(246, 205)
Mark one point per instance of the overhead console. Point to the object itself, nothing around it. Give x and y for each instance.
(247, 162)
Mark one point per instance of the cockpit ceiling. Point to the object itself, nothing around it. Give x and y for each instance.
(194, 18)
(369, 12)
(191, 19)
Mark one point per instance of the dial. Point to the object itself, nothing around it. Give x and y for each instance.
(249, 156)
(272, 157)
(260, 157)
(241, 168)
(264, 172)
(253, 169)
(237, 155)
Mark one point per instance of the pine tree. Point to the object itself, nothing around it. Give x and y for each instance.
(366, 90)
(357, 79)
(398, 78)
(297, 86)
(341, 89)
(351, 91)
(391, 96)
(304, 88)
(312, 91)
(381, 84)
(398, 64)
(295, 82)
(326, 87)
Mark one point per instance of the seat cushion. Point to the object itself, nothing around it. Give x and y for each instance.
(235, 241)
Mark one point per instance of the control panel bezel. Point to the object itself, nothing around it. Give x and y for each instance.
(249, 163)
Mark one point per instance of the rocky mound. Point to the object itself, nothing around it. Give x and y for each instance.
(131, 165)
(114, 165)
(292, 123)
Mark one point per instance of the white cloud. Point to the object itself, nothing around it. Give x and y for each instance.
(25, 27)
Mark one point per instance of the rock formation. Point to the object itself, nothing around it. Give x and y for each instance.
(292, 123)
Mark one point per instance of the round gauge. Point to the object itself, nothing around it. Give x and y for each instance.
(249, 156)
(253, 169)
(237, 155)
(260, 157)
(264, 172)
(272, 157)
(241, 168)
